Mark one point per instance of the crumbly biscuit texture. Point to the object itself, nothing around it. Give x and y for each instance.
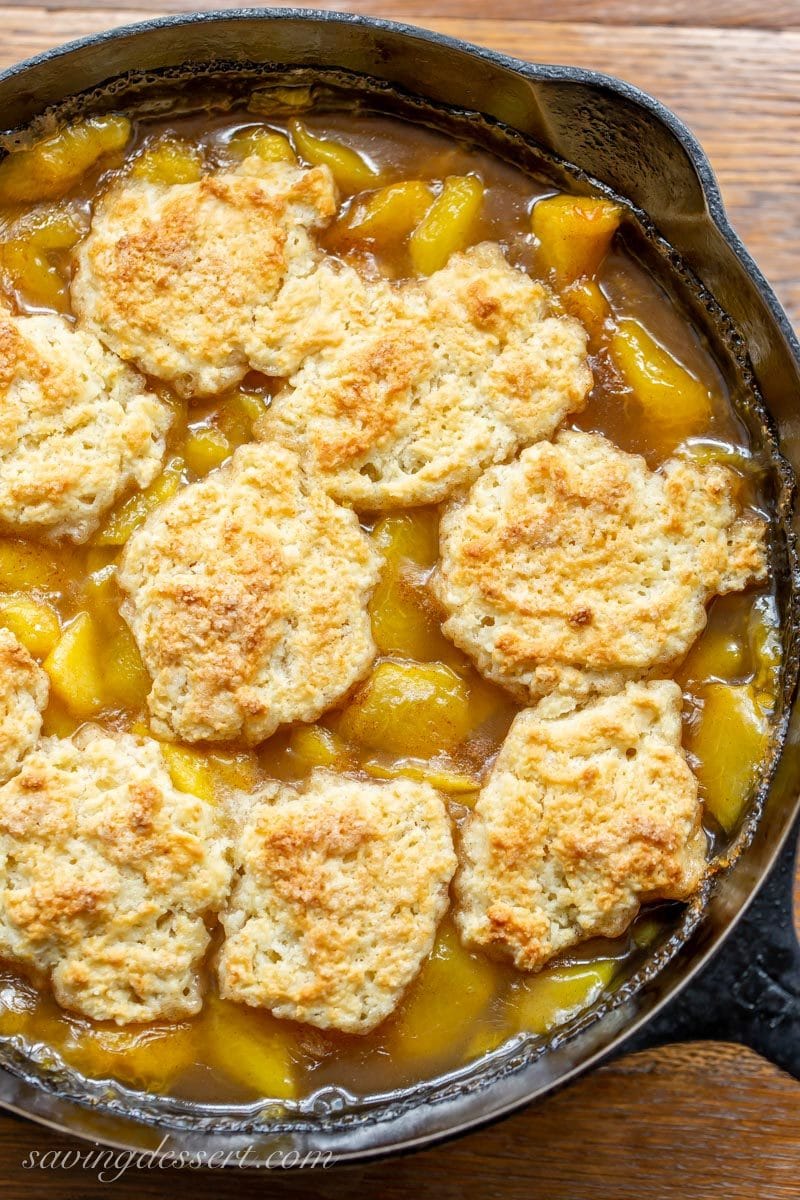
(400, 394)
(584, 816)
(77, 428)
(171, 275)
(106, 874)
(24, 688)
(576, 568)
(342, 886)
(247, 594)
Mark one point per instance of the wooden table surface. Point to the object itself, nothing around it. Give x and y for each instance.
(689, 1122)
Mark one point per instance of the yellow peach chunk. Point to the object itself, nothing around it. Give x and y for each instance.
(57, 720)
(179, 421)
(409, 537)
(190, 771)
(131, 513)
(351, 171)
(389, 214)
(101, 596)
(25, 565)
(452, 782)
(556, 994)
(33, 622)
(264, 143)
(169, 161)
(75, 667)
(574, 235)
(126, 681)
(33, 258)
(149, 1058)
(449, 224)
(415, 709)
(250, 1047)
(451, 994)
(205, 449)
(717, 654)
(237, 415)
(402, 620)
(123, 678)
(675, 404)
(584, 300)
(53, 165)
(315, 746)
(728, 739)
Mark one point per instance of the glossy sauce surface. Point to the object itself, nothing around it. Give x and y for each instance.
(424, 711)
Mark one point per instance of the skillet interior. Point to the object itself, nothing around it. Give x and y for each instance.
(578, 118)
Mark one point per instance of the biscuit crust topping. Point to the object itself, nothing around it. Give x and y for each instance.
(77, 427)
(171, 275)
(247, 595)
(403, 393)
(342, 885)
(584, 816)
(106, 873)
(576, 568)
(24, 688)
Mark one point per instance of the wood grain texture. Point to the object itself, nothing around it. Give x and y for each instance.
(732, 14)
(738, 88)
(686, 1122)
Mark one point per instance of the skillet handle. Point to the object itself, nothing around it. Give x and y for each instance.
(750, 991)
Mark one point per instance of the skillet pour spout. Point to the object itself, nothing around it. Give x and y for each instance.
(591, 130)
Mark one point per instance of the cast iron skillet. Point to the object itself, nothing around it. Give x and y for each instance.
(632, 146)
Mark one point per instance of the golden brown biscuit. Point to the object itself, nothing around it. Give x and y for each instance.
(77, 427)
(576, 568)
(24, 688)
(106, 873)
(342, 885)
(247, 594)
(584, 816)
(403, 393)
(170, 275)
